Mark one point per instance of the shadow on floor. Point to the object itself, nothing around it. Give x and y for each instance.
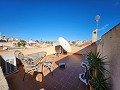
(62, 79)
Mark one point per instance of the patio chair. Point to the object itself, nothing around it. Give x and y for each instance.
(85, 56)
(49, 63)
(84, 77)
(31, 64)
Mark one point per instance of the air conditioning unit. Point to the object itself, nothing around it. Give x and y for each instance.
(9, 63)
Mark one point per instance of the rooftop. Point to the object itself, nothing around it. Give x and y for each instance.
(62, 79)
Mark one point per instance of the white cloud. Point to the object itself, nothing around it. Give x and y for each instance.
(104, 27)
(116, 4)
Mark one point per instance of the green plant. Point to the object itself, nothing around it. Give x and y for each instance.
(18, 44)
(99, 83)
(22, 43)
(96, 63)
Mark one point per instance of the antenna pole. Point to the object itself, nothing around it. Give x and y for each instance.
(95, 32)
(97, 25)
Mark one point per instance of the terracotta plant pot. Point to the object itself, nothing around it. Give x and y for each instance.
(91, 88)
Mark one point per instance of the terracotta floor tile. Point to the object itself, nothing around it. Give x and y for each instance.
(64, 88)
(59, 86)
(62, 79)
(68, 85)
(75, 88)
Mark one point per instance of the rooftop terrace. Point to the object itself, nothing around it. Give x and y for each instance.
(62, 79)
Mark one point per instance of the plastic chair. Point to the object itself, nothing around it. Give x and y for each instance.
(49, 63)
(30, 64)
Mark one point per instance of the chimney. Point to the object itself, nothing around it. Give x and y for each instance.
(95, 35)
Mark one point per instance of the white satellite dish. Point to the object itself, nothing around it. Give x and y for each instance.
(65, 45)
(97, 17)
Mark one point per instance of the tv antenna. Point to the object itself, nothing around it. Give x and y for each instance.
(97, 17)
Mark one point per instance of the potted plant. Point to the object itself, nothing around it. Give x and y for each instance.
(96, 65)
(100, 83)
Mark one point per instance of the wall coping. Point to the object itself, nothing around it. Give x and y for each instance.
(111, 29)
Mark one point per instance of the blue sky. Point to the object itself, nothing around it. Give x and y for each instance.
(50, 19)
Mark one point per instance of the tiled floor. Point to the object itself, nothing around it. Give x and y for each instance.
(62, 79)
